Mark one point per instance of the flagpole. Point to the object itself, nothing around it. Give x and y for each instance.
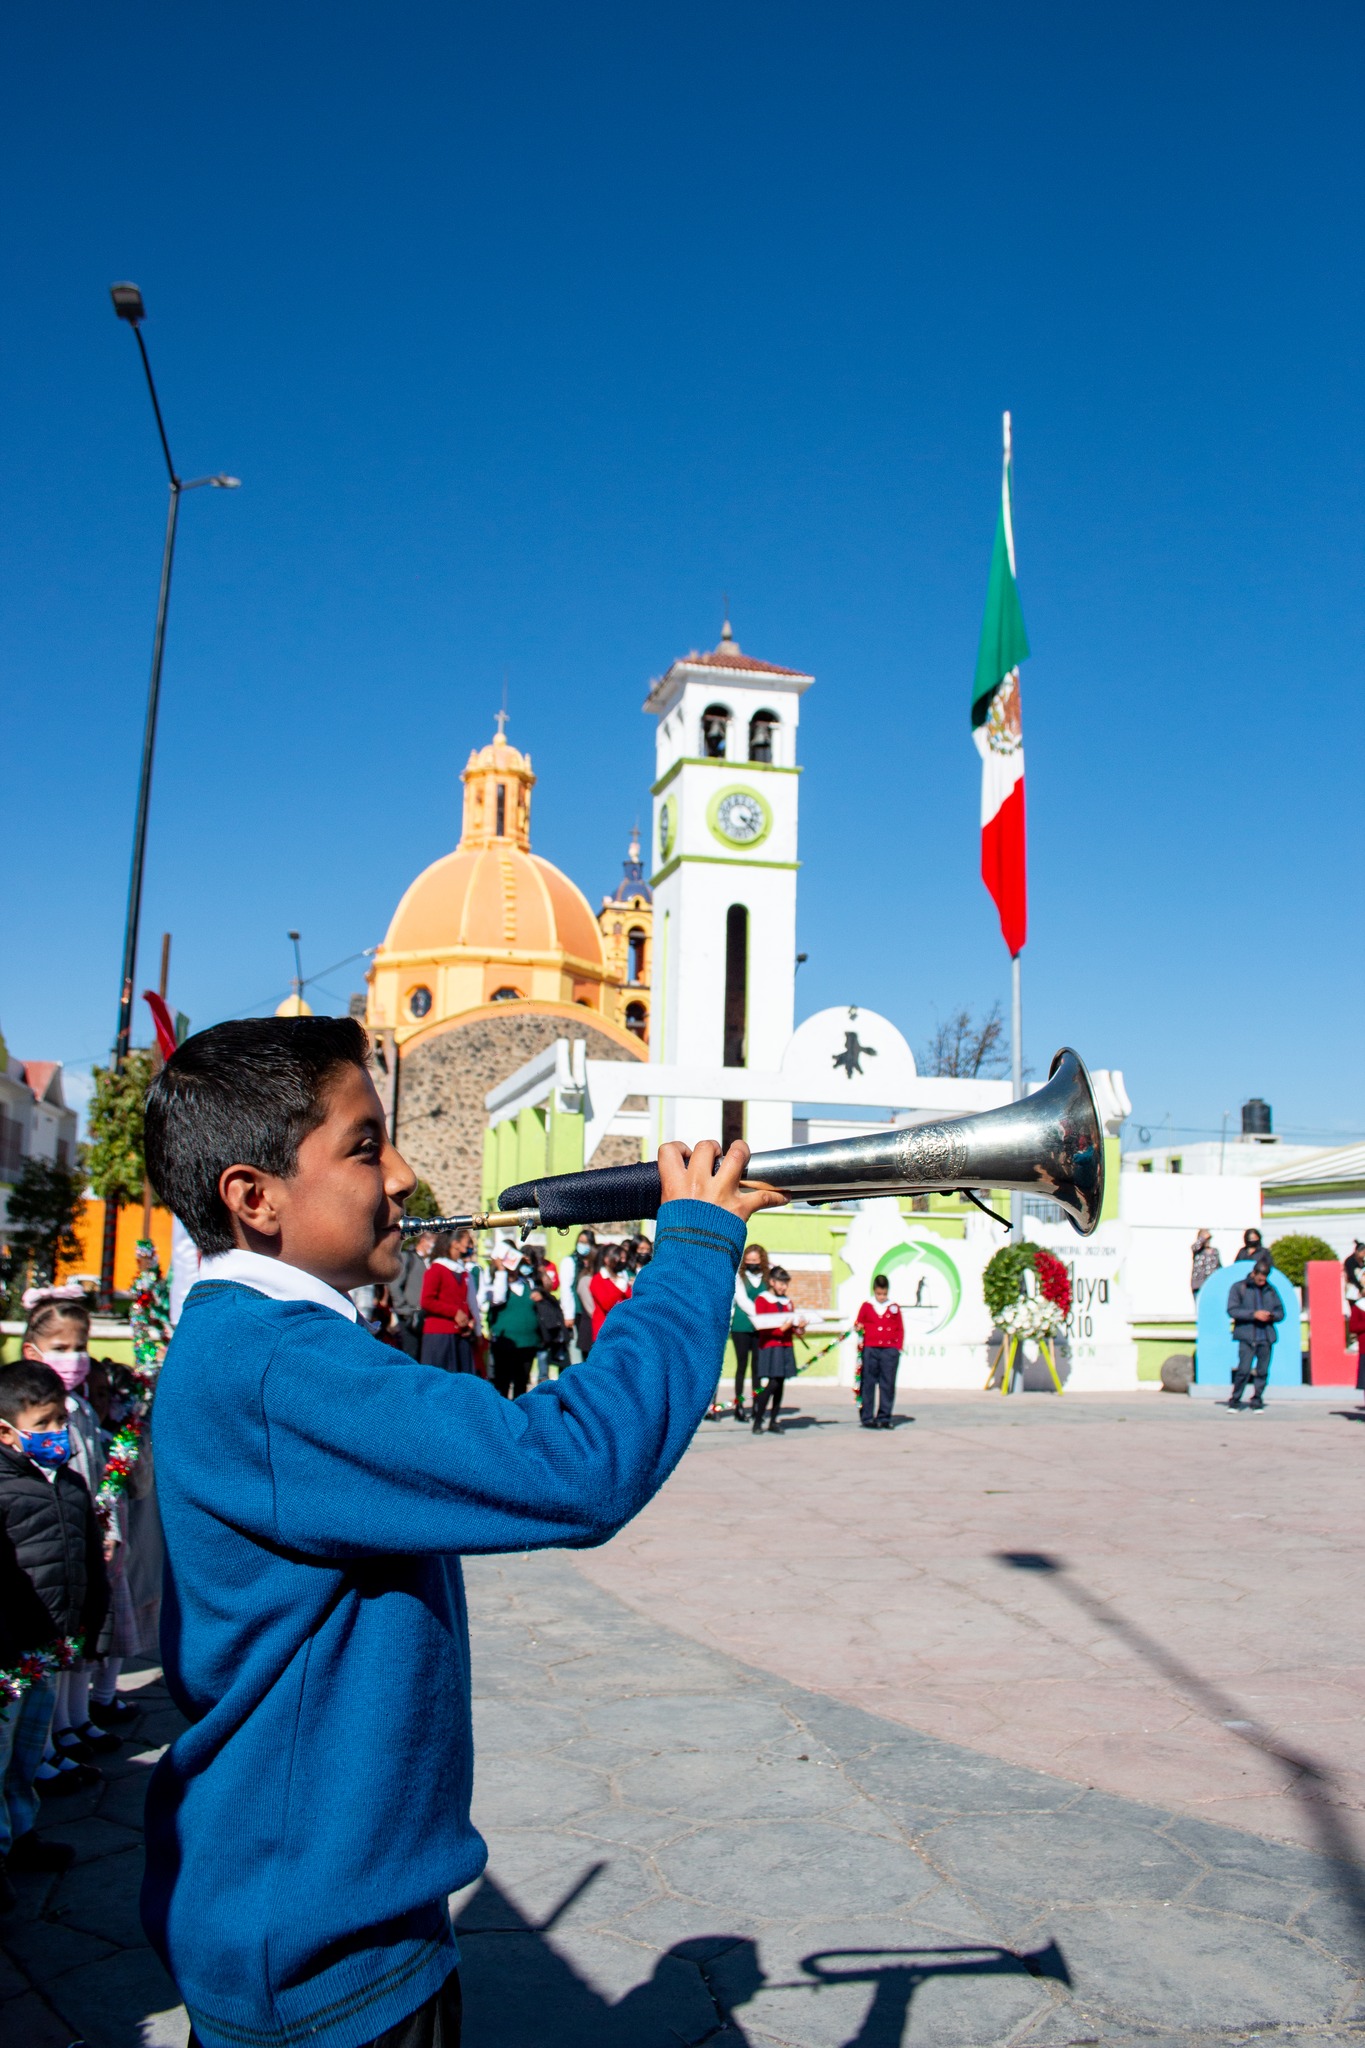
(1016, 979)
(1017, 1077)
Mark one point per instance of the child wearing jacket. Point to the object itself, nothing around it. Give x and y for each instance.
(317, 1492)
(53, 1592)
(58, 1335)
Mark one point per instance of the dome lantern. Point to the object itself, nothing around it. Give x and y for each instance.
(497, 795)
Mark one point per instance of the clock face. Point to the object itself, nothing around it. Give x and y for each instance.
(740, 817)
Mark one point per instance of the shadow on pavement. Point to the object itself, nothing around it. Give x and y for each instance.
(897, 1974)
(1311, 1781)
(518, 1986)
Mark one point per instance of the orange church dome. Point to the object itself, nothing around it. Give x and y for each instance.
(491, 922)
(492, 898)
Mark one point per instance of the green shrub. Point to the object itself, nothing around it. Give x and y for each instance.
(421, 1202)
(1291, 1255)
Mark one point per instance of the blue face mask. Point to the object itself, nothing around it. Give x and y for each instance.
(46, 1446)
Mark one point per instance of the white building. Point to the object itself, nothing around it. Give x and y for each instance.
(1254, 1151)
(35, 1122)
(725, 850)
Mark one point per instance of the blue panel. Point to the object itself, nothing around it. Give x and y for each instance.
(1216, 1347)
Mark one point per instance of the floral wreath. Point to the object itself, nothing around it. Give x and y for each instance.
(1027, 1290)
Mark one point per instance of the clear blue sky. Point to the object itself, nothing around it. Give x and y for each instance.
(532, 329)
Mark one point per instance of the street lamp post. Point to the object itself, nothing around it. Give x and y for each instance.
(128, 306)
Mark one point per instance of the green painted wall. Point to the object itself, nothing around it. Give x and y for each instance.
(1113, 1160)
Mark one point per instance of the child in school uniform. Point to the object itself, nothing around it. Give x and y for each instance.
(317, 1491)
(58, 1336)
(777, 1323)
(52, 1591)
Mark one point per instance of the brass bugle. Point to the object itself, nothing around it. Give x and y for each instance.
(1049, 1144)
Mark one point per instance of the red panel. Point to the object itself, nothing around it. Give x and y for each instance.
(1329, 1362)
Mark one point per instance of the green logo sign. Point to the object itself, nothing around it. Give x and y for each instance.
(923, 1278)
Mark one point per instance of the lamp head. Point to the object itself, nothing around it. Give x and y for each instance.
(226, 483)
(128, 303)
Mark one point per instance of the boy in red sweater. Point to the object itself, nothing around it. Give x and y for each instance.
(881, 1327)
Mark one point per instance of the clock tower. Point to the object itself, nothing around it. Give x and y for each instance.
(725, 865)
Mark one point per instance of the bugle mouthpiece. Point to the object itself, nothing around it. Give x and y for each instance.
(488, 1219)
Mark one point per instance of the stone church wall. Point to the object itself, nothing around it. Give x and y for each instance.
(444, 1078)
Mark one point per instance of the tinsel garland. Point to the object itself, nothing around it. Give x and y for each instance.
(125, 1448)
(150, 1321)
(36, 1665)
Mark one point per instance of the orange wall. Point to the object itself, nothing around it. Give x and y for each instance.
(90, 1231)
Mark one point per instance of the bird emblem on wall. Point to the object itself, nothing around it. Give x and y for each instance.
(851, 1058)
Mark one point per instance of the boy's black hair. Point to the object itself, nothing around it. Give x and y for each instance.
(880, 1280)
(29, 1385)
(240, 1094)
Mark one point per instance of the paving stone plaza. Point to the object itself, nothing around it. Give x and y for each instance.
(1032, 1721)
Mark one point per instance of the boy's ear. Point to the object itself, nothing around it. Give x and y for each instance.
(10, 1437)
(249, 1196)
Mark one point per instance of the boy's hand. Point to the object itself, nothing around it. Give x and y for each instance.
(691, 1174)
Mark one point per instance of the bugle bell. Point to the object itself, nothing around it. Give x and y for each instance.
(1050, 1144)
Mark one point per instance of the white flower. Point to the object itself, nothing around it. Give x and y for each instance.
(1031, 1316)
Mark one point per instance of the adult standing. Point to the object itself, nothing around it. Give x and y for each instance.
(1353, 1270)
(1204, 1260)
(513, 1326)
(406, 1291)
(609, 1286)
(445, 1312)
(1251, 1247)
(1255, 1309)
(465, 1253)
(576, 1297)
(882, 1328)
(750, 1281)
(553, 1351)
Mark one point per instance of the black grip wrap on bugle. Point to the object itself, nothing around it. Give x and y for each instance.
(607, 1194)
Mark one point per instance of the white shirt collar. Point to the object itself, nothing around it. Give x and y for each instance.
(274, 1278)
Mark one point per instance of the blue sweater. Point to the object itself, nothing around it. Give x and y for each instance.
(317, 1489)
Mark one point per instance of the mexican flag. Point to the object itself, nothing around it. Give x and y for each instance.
(998, 730)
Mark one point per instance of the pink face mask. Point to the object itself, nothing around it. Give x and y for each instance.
(71, 1367)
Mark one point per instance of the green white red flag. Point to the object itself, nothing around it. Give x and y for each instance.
(998, 730)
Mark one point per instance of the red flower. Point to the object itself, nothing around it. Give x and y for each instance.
(1053, 1283)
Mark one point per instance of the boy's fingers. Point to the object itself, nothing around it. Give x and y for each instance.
(673, 1162)
(731, 1169)
(701, 1168)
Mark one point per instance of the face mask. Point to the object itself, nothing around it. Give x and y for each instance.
(46, 1446)
(71, 1367)
(584, 1248)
